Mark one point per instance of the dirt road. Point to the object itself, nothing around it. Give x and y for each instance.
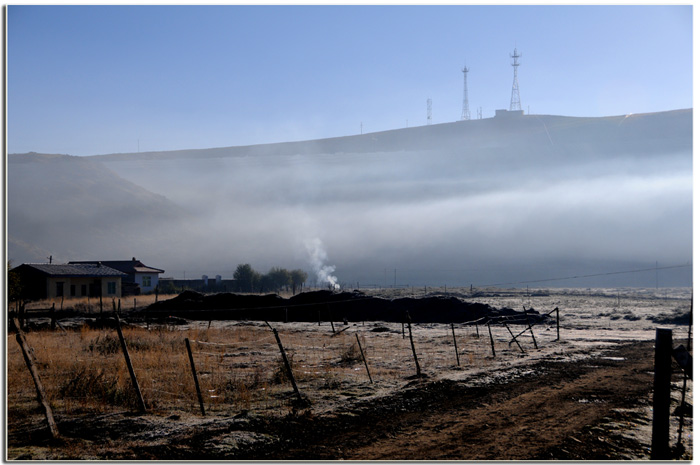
(553, 411)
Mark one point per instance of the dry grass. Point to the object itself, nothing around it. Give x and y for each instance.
(239, 366)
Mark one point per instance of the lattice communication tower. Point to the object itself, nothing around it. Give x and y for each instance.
(515, 94)
(465, 101)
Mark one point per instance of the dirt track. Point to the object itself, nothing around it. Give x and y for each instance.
(546, 414)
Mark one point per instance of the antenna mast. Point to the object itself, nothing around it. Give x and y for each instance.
(465, 100)
(515, 94)
(430, 111)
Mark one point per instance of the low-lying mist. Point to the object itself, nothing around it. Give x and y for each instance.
(434, 217)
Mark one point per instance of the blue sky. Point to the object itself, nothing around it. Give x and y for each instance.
(84, 80)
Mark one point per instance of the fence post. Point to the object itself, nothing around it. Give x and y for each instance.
(40, 392)
(532, 333)
(454, 338)
(557, 309)
(493, 348)
(53, 315)
(194, 375)
(132, 374)
(662, 395)
(286, 362)
(363, 358)
(413, 347)
(514, 339)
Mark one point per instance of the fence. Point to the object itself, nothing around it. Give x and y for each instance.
(239, 366)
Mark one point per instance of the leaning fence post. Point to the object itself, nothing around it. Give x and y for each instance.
(662, 395)
(454, 338)
(40, 392)
(413, 347)
(363, 358)
(514, 339)
(132, 374)
(493, 349)
(194, 375)
(286, 362)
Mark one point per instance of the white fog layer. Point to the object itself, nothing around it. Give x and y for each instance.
(475, 202)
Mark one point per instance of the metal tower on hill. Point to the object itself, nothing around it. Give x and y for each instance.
(430, 111)
(465, 101)
(515, 94)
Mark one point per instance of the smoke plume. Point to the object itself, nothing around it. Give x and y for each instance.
(318, 258)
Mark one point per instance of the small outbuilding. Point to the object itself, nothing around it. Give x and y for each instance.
(46, 281)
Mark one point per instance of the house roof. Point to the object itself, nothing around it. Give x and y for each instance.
(126, 266)
(76, 269)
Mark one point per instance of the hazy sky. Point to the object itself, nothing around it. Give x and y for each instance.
(85, 80)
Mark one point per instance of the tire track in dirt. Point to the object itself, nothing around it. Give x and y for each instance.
(515, 420)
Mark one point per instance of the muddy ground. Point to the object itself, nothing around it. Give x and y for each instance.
(586, 396)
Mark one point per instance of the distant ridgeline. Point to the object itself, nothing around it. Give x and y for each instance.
(637, 132)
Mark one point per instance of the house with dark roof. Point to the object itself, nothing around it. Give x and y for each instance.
(47, 281)
(139, 277)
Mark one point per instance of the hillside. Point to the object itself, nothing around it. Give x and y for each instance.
(497, 200)
(72, 207)
(661, 131)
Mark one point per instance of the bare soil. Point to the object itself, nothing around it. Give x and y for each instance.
(585, 397)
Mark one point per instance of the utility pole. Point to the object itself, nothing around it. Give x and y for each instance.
(430, 111)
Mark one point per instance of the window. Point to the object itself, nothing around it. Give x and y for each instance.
(72, 290)
(59, 289)
(111, 288)
(83, 289)
(146, 281)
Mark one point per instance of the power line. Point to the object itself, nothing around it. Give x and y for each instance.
(586, 276)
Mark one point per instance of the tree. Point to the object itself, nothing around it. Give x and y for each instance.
(298, 278)
(246, 278)
(278, 278)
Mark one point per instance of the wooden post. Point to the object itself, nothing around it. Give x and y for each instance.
(101, 316)
(286, 316)
(119, 307)
(194, 375)
(363, 357)
(514, 339)
(413, 347)
(477, 330)
(662, 395)
(319, 317)
(286, 363)
(40, 392)
(53, 315)
(132, 374)
(557, 309)
(493, 348)
(403, 332)
(532, 333)
(454, 338)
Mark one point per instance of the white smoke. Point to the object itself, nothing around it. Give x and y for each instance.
(318, 258)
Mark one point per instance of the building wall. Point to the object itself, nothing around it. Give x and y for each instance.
(109, 286)
(139, 279)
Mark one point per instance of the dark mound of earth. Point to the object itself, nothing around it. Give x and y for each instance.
(330, 306)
